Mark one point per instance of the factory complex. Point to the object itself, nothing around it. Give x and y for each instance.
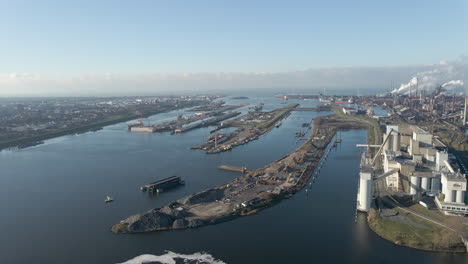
(415, 162)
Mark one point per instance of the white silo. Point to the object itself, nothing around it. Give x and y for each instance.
(395, 142)
(449, 196)
(413, 185)
(460, 196)
(387, 145)
(365, 188)
(424, 183)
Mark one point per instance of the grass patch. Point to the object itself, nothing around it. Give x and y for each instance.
(433, 237)
(403, 234)
(430, 213)
(370, 135)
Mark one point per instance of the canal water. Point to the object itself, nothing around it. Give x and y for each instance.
(53, 211)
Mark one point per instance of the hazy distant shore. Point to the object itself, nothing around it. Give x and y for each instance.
(96, 126)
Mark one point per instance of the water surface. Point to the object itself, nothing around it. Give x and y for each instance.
(52, 209)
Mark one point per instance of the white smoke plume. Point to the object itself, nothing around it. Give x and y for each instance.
(171, 258)
(453, 82)
(450, 76)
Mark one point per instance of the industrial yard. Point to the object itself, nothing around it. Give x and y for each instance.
(206, 115)
(249, 127)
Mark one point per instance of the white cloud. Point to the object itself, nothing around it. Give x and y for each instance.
(428, 76)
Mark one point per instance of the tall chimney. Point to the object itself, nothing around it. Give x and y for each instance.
(410, 89)
(417, 87)
(464, 112)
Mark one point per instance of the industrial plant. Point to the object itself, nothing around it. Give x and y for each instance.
(414, 162)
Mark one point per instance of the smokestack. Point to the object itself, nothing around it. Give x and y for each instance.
(464, 112)
(453, 103)
(417, 87)
(410, 88)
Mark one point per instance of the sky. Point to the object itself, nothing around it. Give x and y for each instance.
(68, 47)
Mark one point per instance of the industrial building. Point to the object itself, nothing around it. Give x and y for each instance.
(452, 198)
(418, 163)
(349, 111)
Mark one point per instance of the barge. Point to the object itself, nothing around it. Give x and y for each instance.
(163, 185)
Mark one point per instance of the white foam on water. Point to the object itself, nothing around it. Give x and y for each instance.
(171, 257)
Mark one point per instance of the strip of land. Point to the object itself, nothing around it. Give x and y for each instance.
(247, 194)
(249, 127)
(35, 139)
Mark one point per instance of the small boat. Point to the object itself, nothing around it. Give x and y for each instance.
(278, 124)
(108, 199)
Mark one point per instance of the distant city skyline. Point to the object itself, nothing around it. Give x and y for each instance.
(104, 47)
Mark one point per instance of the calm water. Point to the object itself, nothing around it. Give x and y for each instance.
(52, 209)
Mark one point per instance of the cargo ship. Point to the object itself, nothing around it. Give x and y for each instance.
(140, 127)
(138, 123)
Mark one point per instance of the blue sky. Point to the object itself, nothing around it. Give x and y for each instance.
(76, 37)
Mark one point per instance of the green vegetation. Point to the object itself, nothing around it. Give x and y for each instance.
(373, 132)
(430, 213)
(429, 236)
(370, 135)
(441, 197)
(291, 106)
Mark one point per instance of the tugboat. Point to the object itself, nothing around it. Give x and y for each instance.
(108, 199)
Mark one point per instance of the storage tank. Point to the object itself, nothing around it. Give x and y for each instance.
(414, 185)
(387, 145)
(424, 183)
(435, 184)
(396, 142)
(460, 197)
(365, 189)
(449, 196)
